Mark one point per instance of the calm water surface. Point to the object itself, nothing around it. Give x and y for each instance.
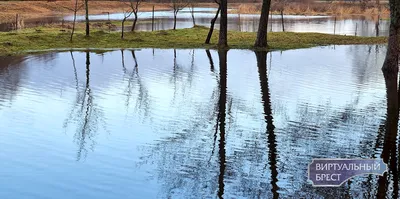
(359, 26)
(152, 123)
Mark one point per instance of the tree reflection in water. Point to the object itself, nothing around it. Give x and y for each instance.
(143, 102)
(221, 119)
(179, 160)
(388, 185)
(84, 113)
(266, 99)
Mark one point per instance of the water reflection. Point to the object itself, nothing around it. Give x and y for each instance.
(389, 183)
(195, 123)
(84, 112)
(222, 54)
(271, 142)
(357, 25)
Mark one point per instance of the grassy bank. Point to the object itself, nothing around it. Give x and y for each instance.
(51, 38)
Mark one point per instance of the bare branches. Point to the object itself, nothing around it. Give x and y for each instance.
(75, 8)
(178, 5)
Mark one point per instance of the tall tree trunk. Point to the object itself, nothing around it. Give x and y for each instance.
(377, 26)
(87, 17)
(210, 32)
(134, 22)
(74, 22)
(223, 30)
(392, 54)
(123, 27)
(194, 21)
(175, 13)
(283, 22)
(261, 40)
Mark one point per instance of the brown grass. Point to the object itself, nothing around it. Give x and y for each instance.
(29, 9)
(339, 9)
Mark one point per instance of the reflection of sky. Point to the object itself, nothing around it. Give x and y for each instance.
(249, 22)
(307, 86)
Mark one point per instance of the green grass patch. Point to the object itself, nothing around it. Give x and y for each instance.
(52, 38)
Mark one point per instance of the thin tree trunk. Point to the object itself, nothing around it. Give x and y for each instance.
(134, 22)
(123, 27)
(210, 32)
(271, 19)
(194, 21)
(123, 24)
(377, 26)
(283, 23)
(74, 22)
(175, 13)
(261, 40)
(223, 30)
(87, 17)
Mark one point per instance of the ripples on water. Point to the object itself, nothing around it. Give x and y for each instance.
(180, 123)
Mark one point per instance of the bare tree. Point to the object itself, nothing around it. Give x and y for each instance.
(210, 32)
(134, 5)
(75, 9)
(178, 5)
(223, 30)
(192, 5)
(127, 14)
(261, 40)
(392, 56)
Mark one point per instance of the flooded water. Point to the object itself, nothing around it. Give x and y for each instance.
(359, 26)
(152, 123)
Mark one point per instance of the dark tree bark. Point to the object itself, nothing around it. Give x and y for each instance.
(87, 18)
(123, 23)
(134, 21)
(261, 40)
(221, 115)
(283, 22)
(210, 32)
(393, 42)
(134, 4)
(192, 12)
(377, 26)
(223, 30)
(74, 22)
(175, 14)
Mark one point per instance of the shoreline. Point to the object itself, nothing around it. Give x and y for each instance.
(30, 40)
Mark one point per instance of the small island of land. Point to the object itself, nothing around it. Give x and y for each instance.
(26, 40)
